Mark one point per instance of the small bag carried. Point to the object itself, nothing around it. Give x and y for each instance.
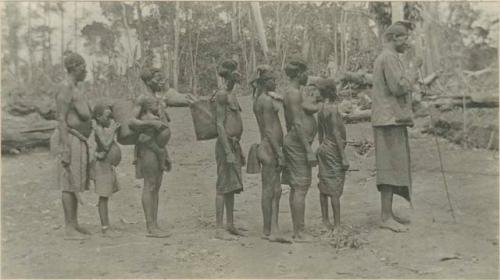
(203, 112)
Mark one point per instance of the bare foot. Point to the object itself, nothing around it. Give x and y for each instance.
(303, 238)
(400, 220)
(392, 225)
(110, 232)
(221, 234)
(82, 230)
(232, 230)
(73, 234)
(327, 225)
(279, 238)
(158, 233)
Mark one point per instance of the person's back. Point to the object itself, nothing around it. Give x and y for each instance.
(294, 97)
(330, 120)
(266, 111)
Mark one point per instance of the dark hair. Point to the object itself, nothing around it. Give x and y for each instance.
(99, 110)
(327, 88)
(72, 60)
(148, 73)
(295, 66)
(227, 69)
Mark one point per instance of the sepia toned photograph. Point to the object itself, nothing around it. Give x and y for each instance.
(249, 140)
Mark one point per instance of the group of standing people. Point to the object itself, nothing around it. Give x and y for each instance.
(281, 158)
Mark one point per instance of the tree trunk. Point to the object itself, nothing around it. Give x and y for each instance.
(431, 47)
(127, 32)
(342, 37)
(76, 26)
(277, 35)
(305, 43)
(397, 11)
(234, 27)
(253, 58)
(346, 38)
(49, 38)
(176, 45)
(259, 24)
(195, 72)
(30, 47)
(335, 39)
(61, 9)
(140, 32)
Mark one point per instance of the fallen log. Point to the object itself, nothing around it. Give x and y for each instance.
(44, 106)
(457, 101)
(21, 133)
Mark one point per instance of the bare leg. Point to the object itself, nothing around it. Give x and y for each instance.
(229, 202)
(291, 197)
(276, 208)
(148, 203)
(156, 199)
(388, 221)
(103, 211)
(323, 202)
(220, 232)
(299, 205)
(276, 235)
(79, 228)
(219, 210)
(103, 214)
(336, 211)
(266, 204)
(69, 206)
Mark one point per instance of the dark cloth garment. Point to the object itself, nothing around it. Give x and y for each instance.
(229, 174)
(104, 176)
(331, 174)
(392, 156)
(297, 171)
(75, 178)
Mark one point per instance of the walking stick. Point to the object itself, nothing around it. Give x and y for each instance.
(441, 165)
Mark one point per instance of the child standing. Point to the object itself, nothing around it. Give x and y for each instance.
(228, 153)
(332, 161)
(107, 157)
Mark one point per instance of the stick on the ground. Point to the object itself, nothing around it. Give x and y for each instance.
(444, 178)
(441, 165)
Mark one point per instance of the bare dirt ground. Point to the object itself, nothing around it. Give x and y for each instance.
(435, 247)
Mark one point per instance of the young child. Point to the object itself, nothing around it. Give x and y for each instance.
(107, 157)
(155, 139)
(332, 161)
(228, 152)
